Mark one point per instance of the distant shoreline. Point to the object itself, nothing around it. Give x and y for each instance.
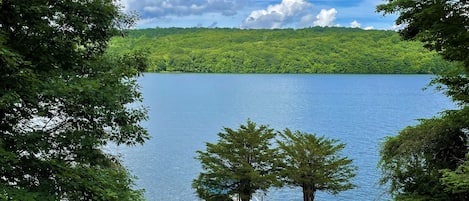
(316, 50)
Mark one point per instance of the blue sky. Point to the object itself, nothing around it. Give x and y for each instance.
(254, 14)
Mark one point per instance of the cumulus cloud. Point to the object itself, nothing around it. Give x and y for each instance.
(279, 15)
(164, 8)
(355, 24)
(325, 17)
(260, 13)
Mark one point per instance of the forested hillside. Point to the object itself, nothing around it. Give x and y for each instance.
(310, 50)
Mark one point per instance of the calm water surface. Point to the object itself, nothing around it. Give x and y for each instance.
(187, 110)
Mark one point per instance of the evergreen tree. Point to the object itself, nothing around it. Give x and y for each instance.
(314, 164)
(239, 164)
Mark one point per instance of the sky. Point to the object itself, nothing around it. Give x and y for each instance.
(259, 14)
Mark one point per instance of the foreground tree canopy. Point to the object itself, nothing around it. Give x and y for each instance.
(413, 161)
(429, 161)
(239, 164)
(441, 25)
(309, 50)
(62, 99)
(244, 161)
(314, 164)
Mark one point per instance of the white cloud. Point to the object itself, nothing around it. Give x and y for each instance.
(355, 24)
(369, 28)
(325, 17)
(278, 15)
(262, 13)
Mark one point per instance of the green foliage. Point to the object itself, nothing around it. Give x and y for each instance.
(457, 181)
(426, 162)
(242, 162)
(309, 50)
(314, 163)
(441, 25)
(62, 100)
(454, 85)
(94, 183)
(412, 161)
(239, 164)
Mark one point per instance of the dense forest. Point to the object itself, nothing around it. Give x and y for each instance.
(309, 50)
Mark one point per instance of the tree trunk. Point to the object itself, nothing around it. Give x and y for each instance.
(245, 197)
(245, 193)
(308, 193)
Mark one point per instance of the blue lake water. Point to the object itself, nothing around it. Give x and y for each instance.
(187, 110)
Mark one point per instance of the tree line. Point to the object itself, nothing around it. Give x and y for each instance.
(308, 50)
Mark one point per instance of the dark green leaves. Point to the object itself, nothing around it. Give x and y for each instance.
(62, 100)
(426, 161)
(419, 153)
(441, 25)
(457, 181)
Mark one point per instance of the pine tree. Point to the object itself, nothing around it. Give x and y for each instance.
(239, 164)
(314, 164)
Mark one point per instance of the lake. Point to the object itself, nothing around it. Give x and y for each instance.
(187, 110)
